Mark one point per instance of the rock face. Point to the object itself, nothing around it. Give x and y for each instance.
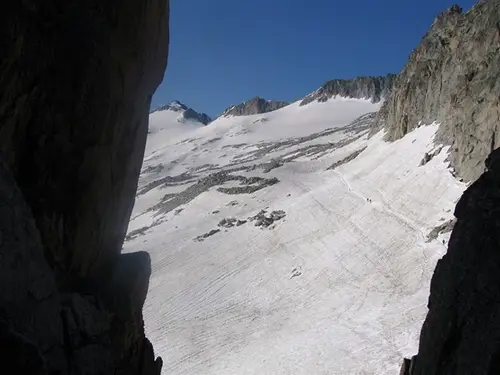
(254, 106)
(374, 88)
(187, 113)
(452, 77)
(461, 334)
(77, 80)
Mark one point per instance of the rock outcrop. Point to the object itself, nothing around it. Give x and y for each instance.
(186, 112)
(77, 80)
(374, 88)
(452, 77)
(461, 334)
(254, 106)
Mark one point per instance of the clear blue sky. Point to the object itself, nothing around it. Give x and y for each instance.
(223, 52)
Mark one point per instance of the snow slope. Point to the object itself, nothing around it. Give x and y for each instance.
(168, 124)
(338, 286)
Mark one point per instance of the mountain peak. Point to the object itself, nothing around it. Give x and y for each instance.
(187, 113)
(254, 106)
(174, 105)
(177, 104)
(366, 87)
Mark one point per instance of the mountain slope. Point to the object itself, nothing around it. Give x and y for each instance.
(452, 77)
(331, 277)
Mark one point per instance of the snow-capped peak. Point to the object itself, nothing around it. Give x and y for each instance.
(175, 104)
(186, 113)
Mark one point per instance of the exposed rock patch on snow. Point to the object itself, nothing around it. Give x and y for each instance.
(206, 235)
(446, 227)
(347, 159)
(266, 221)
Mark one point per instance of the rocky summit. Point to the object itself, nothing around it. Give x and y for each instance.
(186, 112)
(254, 106)
(373, 88)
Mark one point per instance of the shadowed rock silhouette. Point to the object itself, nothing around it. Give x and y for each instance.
(77, 80)
(461, 334)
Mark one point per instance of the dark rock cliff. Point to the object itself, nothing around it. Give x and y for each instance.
(374, 88)
(77, 80)
(461, 334)
(452, 77)
(254, 106)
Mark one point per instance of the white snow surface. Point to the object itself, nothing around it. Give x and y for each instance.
(339, 286)
(168, 124)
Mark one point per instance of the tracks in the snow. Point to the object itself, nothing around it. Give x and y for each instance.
(384, 206)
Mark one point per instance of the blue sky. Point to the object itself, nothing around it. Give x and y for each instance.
(223, 52)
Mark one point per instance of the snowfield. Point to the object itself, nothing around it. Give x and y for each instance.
(337, 286)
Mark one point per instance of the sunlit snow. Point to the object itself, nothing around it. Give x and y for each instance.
(338, 286)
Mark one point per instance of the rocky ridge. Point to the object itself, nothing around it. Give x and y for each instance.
(374, 88)
(186, 112)
(452, 77)
(368, 87)
(254, 106)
